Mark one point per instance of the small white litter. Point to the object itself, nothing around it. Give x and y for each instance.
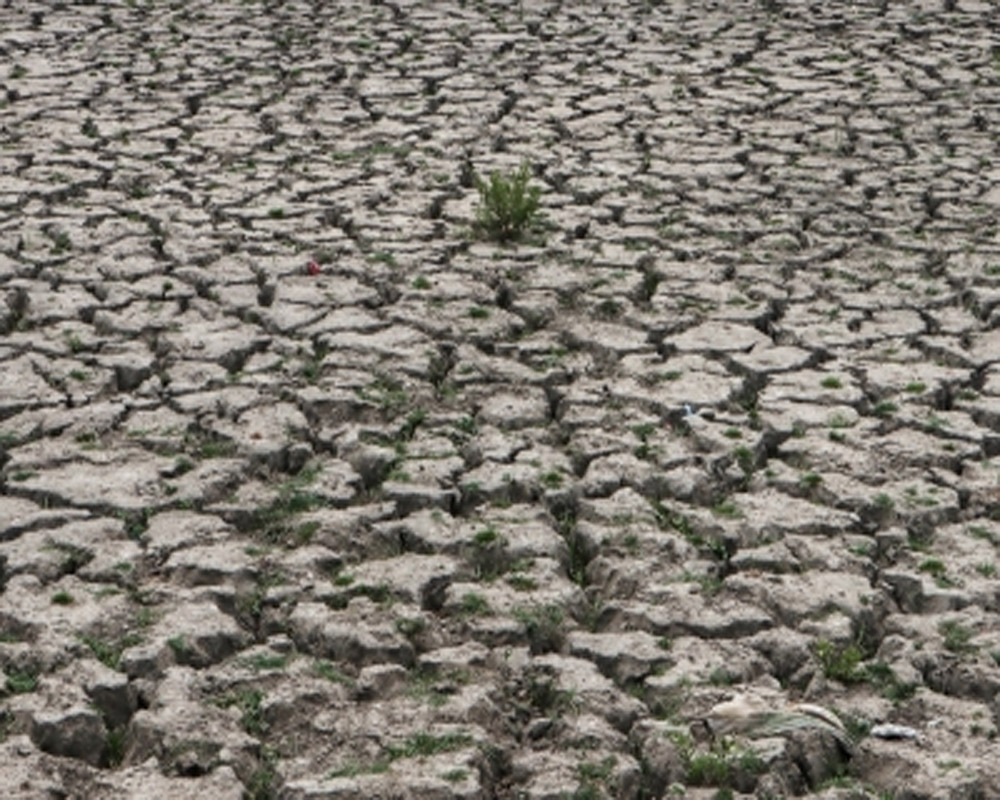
(888, 731)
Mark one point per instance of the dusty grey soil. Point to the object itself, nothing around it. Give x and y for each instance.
(440, 517)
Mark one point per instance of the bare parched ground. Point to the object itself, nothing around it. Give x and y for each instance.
(443, 518)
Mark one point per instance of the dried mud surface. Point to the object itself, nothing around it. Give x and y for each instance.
(443, 518)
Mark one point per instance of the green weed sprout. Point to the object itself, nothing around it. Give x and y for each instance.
(508, 206)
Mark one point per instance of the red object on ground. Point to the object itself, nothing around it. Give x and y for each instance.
(314, 268)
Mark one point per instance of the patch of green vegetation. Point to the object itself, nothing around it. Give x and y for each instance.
(455, 775)
(840, 663)
(883, 502)
(708, 769)
(423, 745)
(248, 701)
(274, 521)
(885, 409)
(21, 681)
(329, 672)
(957, 638)
(487, 536)
(832, 382)
(114, 746)
(727, 509)
(882, 677)
(178, 646)
(543, 626)
(916, 387)
(387, 393)
(720, 676)
(474, 604)
(411, 626)
(592, 776)
(351, 769)
(109, 651)
(63, 598)
(553, 479)
(810, 480)
(263, 662)
(521, 583)
(260, 786)
(508, 206)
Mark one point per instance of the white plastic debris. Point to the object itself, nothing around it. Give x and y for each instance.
(889, 731)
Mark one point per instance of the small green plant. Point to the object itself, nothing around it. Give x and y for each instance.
(21, 681)
(421, 745)
(474, 605)
(543, 625)
(728, 509)
(261, 783)
(108, 651)
(411, 626)
(552, 479)
(840, 663)
(267, 661)
(720, 676)
(709, 769)
(810, 480)
(63, 598)
(521, 583)
(508, 206)
(178, 645)
(883, 502)
(916, 387)
(114, 746)
(885, 409)
(486, 536)
(832, 382)
(248, 702)
(957, 638)
(329, 672)
(934, 566)
(352, 769)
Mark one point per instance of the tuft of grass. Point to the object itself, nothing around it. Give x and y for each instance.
(474, 604)
(63, 598)
(727, 509)
(21, 681)
(709, 769)
(810, 480)
(263, 662)
(329, 672)
(508, 206)
(957, 638)
(109, 651)
(543, 625)
(352, 769)
(422, 745)
(885, 409)
(248, 702)
(840, 663)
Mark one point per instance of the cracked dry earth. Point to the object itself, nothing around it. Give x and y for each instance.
(445, 518)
